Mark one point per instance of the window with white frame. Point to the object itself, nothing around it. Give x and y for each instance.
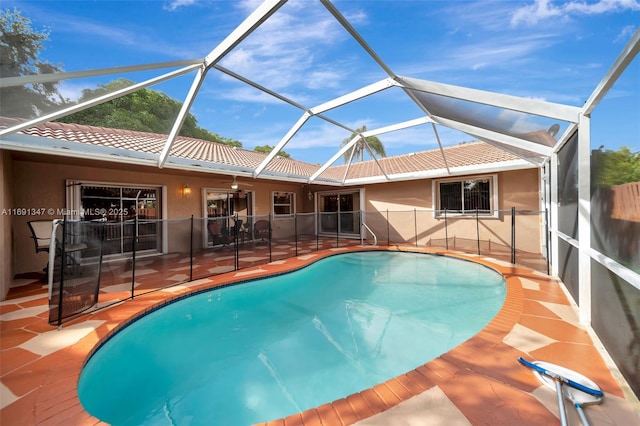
(466, 196)
(283, 203)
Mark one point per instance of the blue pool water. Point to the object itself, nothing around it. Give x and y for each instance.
(272, 347)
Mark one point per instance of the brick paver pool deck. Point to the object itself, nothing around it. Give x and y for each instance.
(479, 382)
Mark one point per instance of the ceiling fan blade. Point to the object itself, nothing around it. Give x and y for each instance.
(237, 182)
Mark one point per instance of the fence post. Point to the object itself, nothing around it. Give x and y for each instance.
(133, 254)
(513, 235)
(547, 239)
(446, 230)
(62, 268)
(361, 229)
(415, 224)
(295, 230)
(236, 242)
(388, 235)
(102, 223)
(337, 230)
(477, 230)
(191, 251)
(270, 234)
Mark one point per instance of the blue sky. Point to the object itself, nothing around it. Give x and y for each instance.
(552, 50)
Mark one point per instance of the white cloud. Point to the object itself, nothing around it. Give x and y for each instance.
(481, 39)
(419, 138)
(357, 17)
(249, 5)
(603, 6)
(73, 91)
(478, 15)
(251, 95)
(322, 79)
(322, 136)
(625, 34)
(139, 38)
(291, 49)
(176, 4)
(532, 14)
(498, 51)
(542, 10)
(115, 35)
(327, 135)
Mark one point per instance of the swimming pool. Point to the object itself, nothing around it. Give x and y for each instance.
(272, 347)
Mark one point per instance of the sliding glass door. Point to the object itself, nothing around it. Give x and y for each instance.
(339, 213)
(120, 205)
(223, 209)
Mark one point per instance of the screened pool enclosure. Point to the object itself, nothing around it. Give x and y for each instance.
(593, 224)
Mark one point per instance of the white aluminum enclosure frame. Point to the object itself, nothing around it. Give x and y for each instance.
(425, 95)
(576, 117)
(410, 86)
(583, 244)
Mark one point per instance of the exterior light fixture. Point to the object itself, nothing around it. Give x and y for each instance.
(234, 185)
(186, 191)
(310, 195)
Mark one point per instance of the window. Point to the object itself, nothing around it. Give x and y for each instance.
(283, 203)
(465, 196)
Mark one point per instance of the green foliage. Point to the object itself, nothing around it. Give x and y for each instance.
(266, 149)
(374, 143)
(20, 48)
(144, 110)
(613, 168)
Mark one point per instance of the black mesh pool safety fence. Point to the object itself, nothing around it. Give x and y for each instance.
(73, 282)
(99, 263)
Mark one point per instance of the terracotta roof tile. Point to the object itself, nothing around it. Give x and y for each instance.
(468, 154)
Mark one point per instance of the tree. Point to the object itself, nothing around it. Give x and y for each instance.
(144, 110)
(20, 48)
(266, 149)
(374, 143)
(613, 168)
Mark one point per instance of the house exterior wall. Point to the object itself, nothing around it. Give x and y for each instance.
(40, 182)
(409, 208)
(6, 267)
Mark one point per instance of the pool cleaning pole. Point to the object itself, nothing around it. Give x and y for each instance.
(559, 380)
(563, 412)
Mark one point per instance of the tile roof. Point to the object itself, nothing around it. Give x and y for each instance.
(468, 154)
(152, 143)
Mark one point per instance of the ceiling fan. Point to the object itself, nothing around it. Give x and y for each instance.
(235, 185)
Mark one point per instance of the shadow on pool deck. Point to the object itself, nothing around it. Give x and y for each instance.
(479, 382)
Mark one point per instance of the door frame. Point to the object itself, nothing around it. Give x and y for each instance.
(230, 214)
(75, 211)
(359, 209)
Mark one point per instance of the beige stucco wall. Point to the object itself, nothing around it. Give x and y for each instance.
(6, 267)
(40, 182)
(408, 205)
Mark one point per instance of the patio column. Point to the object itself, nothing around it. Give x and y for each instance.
(584, 218)
(553, 213)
